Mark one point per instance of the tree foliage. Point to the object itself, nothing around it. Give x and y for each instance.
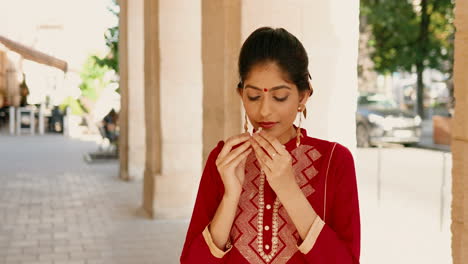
(93, 79)
(111, 36)
(398, 40)
(98, 72)
(410, 36)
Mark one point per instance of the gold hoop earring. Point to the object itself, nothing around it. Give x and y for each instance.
(246, 126)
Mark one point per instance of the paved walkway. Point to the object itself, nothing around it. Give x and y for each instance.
(55, 208)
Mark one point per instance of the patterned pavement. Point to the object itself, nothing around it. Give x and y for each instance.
(55, 208)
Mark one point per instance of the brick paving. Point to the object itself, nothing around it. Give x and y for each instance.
(55, 208)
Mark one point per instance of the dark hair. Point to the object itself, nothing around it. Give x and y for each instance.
(275, 45)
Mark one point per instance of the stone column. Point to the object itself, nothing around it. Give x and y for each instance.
(221, 33)
(460, 138)
(123, 85)
(329, 31)
(181, 90)
(132, 123)
(152, 104)
(136, 90)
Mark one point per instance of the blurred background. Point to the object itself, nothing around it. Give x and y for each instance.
(109, 109)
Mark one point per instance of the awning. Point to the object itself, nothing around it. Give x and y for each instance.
(34, 55)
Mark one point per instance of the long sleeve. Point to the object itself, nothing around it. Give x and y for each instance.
(338, 238)
(198, 246)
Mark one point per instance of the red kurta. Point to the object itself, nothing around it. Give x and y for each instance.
(270, 236)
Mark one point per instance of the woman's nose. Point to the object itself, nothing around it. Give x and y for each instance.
(265, 107)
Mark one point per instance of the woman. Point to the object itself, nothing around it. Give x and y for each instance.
(279, 195)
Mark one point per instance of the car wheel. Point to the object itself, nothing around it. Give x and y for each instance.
(362, 136)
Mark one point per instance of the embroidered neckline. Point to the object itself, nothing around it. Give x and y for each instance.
(253, 208)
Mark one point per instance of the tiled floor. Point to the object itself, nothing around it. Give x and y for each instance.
(55, 208)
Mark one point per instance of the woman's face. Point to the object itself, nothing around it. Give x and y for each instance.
(279, 104)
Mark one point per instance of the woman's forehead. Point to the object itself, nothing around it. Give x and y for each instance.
(266, 89)
(268, 71)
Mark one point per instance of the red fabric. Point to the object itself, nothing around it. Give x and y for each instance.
(339, 240)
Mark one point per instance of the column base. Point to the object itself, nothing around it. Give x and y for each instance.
(171, 197)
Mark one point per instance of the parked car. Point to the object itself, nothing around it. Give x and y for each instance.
(379, 120)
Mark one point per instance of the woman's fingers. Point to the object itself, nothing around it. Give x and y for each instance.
(274, 143)
(270, 144)
(232, 141)
(259, 152)
(235, 153)
(263, 166)
(263, 143)
(240, 158)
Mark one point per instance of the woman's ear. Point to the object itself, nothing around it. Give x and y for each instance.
(304, 96)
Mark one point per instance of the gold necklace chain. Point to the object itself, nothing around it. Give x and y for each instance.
(261, 208)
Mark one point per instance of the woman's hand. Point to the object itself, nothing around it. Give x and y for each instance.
(275, 161)
(231, 164)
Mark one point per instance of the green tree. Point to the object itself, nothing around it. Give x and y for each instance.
(411, 36)
(93, 81)
(111, 36)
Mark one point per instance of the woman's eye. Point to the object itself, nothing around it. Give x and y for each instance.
(281, 99)
(276, 98)
(253, 98)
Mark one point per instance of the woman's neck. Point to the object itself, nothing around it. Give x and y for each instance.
(287, 136)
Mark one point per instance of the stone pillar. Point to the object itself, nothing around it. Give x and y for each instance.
(123, 85)
(152, 104)
(221, 33)
(329, 31)
(132, 115)
(136, 90)
(181, 90)
(460, 138)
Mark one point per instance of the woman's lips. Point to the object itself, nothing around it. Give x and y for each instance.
(267, 125)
